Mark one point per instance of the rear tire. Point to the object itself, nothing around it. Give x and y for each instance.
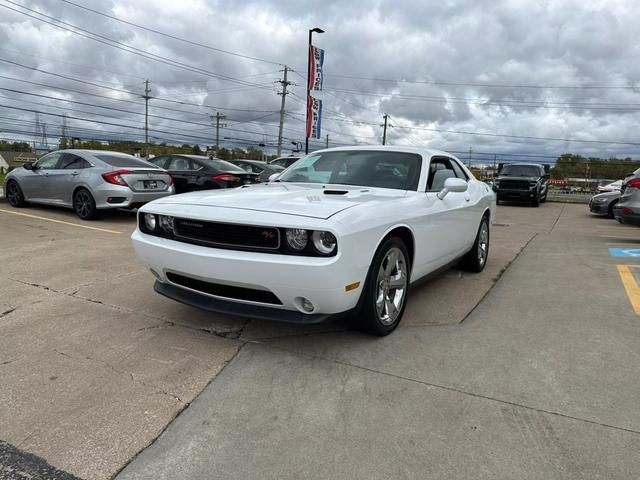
(476, 259)
(14, 195)
(384, 297)
(84, 204)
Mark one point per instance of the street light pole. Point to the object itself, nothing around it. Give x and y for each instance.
(311, 30)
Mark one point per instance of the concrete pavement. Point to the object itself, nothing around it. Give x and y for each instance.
(539, 382)
(536, 382)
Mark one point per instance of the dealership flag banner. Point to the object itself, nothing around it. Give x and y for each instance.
(314, 117)
(316, 61)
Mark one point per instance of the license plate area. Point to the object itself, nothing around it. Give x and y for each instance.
(150, 184)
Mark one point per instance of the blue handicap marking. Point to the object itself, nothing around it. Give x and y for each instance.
(625, 252)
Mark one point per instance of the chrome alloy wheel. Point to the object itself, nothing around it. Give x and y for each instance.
(483, 243)
(82, 203)
(391, 286)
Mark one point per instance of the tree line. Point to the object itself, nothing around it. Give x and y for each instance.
(570, 165)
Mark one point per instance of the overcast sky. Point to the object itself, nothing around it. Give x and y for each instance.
(564, 70)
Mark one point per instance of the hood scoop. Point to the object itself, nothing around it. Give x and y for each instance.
(336, 192)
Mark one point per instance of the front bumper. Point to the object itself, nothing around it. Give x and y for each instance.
(599, 208)
(116, 196)
(506, 194)
(320, 280)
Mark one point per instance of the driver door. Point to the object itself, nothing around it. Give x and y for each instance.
(36, 185)
(442, 225)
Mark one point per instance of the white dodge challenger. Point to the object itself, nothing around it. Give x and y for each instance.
(341, 231)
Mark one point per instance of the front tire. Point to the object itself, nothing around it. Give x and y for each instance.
(384, 296)
(476, 259)
(14, 195)
(535, 201)
(612, 205)
(84, 204)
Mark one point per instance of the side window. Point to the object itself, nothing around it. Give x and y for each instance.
(159, 161)
(71, 162)
(459, 172)
(50, 161)
(179, 163)
(440, 169)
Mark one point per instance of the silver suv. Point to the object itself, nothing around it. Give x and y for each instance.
(87, 181)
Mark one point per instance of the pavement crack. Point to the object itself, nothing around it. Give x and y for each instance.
(455, 390)
(498, 277)
(7, 312)
(6, 362)
(557, 219)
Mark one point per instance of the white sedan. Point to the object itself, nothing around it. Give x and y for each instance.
(342, 231)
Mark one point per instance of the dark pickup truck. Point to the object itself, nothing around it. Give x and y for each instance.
(527, 182)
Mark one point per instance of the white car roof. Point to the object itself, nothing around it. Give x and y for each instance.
(426, 152)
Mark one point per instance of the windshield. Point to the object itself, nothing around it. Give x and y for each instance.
(520, 171)
(367, 168)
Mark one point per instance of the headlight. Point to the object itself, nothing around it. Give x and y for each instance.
(324, 242)
(150, 221)
(166, 223)
(600, 200)
(297, 238)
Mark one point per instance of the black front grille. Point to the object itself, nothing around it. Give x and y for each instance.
(226, 291)
(515, 184)
(227, 234)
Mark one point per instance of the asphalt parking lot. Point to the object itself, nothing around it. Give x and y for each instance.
(527, 370)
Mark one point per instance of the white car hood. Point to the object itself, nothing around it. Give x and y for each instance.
(307, 200)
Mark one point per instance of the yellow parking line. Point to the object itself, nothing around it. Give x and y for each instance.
(106, 230)
(631, 286)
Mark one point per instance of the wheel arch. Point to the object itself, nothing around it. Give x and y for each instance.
(405, 234)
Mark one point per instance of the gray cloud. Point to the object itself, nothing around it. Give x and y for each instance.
(562, 43)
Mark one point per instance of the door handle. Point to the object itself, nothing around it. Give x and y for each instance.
(74, 173)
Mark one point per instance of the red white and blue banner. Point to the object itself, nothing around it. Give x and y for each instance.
(314, 117)
(316, 61)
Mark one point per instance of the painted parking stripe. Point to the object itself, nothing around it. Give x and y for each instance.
(625, 252)
(105, 230)
(630, 285)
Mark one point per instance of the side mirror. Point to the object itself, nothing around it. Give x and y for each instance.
(29, 166)
(455, 185)
(273, 177)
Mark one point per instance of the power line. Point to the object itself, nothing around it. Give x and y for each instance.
(209, 47)
(119, 45)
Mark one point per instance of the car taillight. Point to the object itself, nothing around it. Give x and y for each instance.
(116, 177)
(225, 177)
(633, 183)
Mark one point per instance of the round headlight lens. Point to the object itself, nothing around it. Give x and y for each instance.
(166, 223)
(325, 242)
(297, 238)
(150, 221)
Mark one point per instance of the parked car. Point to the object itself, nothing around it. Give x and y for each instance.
(263, 169)
(344, 231)
(628, 208)
(604, 203)
(196, 172)
(87, 181)
(522, 182)
(284, 162)
(611, 187)
(568, 189)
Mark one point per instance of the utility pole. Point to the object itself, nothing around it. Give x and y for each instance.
(470, 150)
(327, 140)
(495, 157)
(219, 116)
(146, 97)
(284, 92)
(384, 132)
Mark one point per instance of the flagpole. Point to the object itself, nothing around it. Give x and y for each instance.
(306, 126)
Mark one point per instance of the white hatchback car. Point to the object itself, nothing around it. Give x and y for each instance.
(343, 230)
